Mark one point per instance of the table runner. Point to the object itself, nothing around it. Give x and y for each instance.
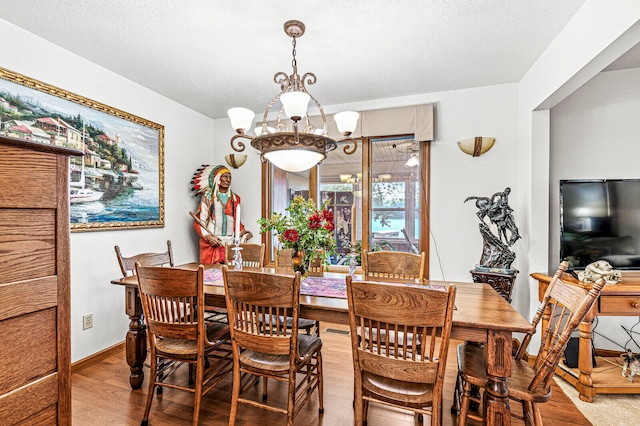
(311, 286)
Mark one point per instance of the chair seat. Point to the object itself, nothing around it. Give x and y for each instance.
(471, 367)
(303, 323)
(408, 393)
(308, 345)
(189, 348)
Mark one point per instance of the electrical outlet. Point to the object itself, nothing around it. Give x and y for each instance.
(87, 321)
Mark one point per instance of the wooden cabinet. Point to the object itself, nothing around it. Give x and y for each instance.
(35, 349)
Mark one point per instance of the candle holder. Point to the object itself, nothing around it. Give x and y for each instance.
(237, 257)
(352, 263)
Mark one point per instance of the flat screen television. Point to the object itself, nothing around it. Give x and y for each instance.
(600, 219)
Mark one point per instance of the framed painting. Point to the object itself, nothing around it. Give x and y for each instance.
(119, 183)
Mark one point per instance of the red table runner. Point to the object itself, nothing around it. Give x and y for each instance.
(311, 286)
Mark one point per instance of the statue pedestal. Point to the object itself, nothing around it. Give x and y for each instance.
(502, 283)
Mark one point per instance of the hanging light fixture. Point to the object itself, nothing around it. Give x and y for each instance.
(413, 160)
(303, 146)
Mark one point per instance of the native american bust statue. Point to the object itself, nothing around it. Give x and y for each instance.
(495, 251)
(597, 269)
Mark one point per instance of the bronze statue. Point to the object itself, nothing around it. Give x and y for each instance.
(495, 252)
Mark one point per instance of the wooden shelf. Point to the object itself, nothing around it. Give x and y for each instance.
(607, 377)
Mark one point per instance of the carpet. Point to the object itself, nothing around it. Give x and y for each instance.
(605, 410)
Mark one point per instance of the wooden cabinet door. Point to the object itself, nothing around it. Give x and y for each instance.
(34, 287)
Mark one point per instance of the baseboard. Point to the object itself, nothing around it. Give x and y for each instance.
(97, 357)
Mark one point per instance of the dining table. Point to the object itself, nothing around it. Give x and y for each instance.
(481, 316)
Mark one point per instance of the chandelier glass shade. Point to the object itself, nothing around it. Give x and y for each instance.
(302, 145)
(413, 161)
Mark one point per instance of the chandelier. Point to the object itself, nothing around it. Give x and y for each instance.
(302, 146)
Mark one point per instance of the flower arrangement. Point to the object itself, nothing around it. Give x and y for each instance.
(303, 227)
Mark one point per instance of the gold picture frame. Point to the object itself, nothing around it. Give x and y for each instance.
(119, 183)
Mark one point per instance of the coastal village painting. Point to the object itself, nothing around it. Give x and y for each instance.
(119, 181)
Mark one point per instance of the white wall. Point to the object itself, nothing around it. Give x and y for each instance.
(598, 34)
(594, 135)
(457, 244)
(188, 137)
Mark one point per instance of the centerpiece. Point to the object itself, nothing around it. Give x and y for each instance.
(305, 229)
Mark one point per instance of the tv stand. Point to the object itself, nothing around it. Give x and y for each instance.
(622, 299)
(573, 274)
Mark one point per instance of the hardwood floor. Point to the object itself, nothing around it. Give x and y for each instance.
(102, 396)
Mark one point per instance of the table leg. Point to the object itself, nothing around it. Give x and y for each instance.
(585, 360)
(498, 358)
(136, 340)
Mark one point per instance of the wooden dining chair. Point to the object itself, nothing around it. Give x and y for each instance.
(128, 264)
(270, 352)
(564, 306)
(379, 265)
(283, 260)
(316, 265)
(407, 371)
(128, 268)
(173, 305)
(252, 255)
(283, 266)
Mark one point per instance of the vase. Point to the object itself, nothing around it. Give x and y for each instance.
(297, 261)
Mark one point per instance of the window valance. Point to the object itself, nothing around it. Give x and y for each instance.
(414, 119)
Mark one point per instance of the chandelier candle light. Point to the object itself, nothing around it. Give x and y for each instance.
(237, 256)
(303, 146)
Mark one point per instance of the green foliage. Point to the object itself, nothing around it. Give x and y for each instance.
(388, 194)
(303, 227)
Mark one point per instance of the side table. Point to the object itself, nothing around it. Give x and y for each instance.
(502, 283)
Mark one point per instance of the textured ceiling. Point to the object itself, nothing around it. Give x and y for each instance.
(213, 55)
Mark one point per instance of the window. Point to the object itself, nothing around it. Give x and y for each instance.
(386, 178)
(279, 189)
(395, 194)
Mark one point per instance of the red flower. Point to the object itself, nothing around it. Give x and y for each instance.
(329, 226)
(315, 222)
(291, 235)
(327, 215)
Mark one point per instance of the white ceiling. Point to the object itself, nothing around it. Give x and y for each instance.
(212, 55)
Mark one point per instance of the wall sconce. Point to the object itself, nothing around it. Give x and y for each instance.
(235, 160)
(476, 146)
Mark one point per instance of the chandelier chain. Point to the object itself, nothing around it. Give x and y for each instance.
(294, 63)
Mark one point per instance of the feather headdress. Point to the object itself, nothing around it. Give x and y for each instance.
(206, 179)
